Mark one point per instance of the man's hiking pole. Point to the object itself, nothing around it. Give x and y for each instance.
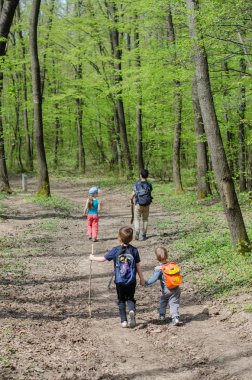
(132, 212)
(89, 290)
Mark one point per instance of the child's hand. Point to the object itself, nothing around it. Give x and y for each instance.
(158, 267)
(91, 257)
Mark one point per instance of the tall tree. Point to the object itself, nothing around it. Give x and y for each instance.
(177, 111)
(139, 125)
(118, 79)
(218, 156)
(43, 177)
(29, 155)
(241, 131)
(203, 187)
(8, 8)
(81, 161)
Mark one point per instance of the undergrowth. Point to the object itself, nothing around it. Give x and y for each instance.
(199, 238)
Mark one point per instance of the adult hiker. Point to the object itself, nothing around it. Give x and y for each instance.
(142, 198)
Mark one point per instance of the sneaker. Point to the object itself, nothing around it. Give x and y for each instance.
(90, 238)
(137, 236)
(176, 321)
(162, 317)
(95, 240)
(124, 324)
(132, 320)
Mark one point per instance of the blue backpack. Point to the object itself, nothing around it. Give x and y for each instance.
(125, 266)
(143, 193)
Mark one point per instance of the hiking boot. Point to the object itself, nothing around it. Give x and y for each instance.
(124, 324)
(143, 237)
(176, 321)
(137, 236)
(162, 317)
(132, 320)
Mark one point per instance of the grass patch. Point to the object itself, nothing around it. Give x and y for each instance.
(49, 225)
(5, 362)
(54, 202)
(202, 242)
(248, 308)
(13, 268)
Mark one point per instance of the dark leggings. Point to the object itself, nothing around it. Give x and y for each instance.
(125, 293)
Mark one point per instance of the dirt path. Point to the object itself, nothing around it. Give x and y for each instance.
(45, 329)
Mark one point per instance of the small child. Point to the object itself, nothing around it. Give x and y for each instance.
(126, 265)
(92, 209)
(171, 296)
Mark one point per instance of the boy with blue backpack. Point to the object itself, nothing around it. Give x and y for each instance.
(142, 198)
(126, 265)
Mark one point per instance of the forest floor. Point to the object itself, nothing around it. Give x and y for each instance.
(46, 332)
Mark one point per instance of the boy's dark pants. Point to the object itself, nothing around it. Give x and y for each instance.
(125, 293)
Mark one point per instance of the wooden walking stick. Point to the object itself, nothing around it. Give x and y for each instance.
(132, 212)
(89, 290)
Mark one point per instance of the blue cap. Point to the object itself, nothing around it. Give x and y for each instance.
(93, 190)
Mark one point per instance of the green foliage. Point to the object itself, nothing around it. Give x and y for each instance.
(199, 236)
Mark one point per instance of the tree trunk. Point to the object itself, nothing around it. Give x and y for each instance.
(139, 126)
(17, 140)
(8, 8)
(241, 132)
(81, 161)
(203, 187)
(56, 136)
(49, 27)
(117, 54)
(218, 156)
(118, 142)
(250, 172)
(113, 142)
(177, 140)
(43, 177)
(29, 156)
(176, 161)
(226, 103)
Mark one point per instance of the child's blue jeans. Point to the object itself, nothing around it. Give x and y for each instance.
(125, 293)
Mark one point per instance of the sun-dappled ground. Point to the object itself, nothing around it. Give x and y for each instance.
(46, 332)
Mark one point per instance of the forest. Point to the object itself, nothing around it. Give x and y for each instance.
(114, 87)
(92, 92)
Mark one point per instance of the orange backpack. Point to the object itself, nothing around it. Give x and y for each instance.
(172, 276)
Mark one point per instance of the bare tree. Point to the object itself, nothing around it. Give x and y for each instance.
(218, 156)
(43, 177)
